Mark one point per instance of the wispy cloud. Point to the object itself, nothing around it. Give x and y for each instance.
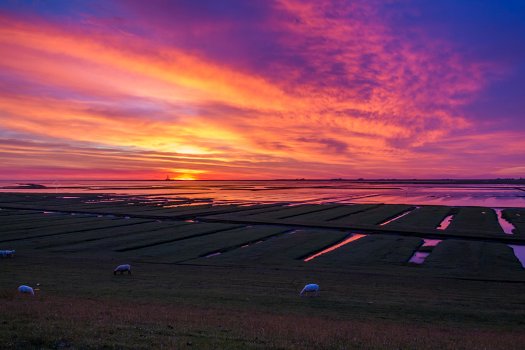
(265, 90)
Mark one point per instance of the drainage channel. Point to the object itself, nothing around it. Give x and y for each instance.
(506, 225)
(368, 230)
(398, 216)
(508, 228)
(424, 251)
(519, 252)
(352, 238)
(446, 222)
(418, 257)
(247, 244)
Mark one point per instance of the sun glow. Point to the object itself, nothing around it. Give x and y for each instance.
(185, 177)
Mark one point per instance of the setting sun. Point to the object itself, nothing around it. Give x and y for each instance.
(185, 177)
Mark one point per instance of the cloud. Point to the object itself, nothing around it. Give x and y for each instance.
(234, 89)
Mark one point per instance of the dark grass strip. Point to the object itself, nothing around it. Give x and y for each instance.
(43, 222)
(348, 240)
(99, 238)
(163, 213)
(325, 247)
(397, 216)
(75, 231)
(278, 207)
(238, 246)
(310, 212)
(354, 212)
(141, 246)
(369, 229)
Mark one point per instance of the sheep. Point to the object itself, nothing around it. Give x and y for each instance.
(122, 268)
(7, 253)
(26, 290)
(310, 288)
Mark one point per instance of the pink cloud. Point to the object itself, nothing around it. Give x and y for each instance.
(344, 95)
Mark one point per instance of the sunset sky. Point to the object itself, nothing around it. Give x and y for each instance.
(227, 89)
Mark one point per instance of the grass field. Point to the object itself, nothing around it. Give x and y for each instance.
(468, 294)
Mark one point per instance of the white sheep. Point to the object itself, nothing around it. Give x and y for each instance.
(122, 268)
(310, 288)
(26, 290)
(7, 253)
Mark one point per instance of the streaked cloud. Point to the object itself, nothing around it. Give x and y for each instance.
(280, 89)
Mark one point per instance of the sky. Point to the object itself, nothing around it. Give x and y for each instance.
(261, 89)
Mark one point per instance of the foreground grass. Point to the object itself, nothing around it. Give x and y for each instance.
(72, 322)
(469, 297)
(81, 305)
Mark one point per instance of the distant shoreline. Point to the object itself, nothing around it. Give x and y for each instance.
(520, 181)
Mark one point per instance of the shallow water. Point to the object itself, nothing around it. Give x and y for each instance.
(398, 216)
(431, 242)
(519, 252)
(445, 223)
(353, 238)
(418, 257)
(506, 226)
(314, 192)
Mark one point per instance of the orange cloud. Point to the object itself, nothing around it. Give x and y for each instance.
(131, 104)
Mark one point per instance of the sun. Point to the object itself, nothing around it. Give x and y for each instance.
(184, 174)
(185, 177)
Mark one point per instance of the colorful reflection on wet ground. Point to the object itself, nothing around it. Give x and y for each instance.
(350, 239)
(519, 252)
(507, 227)
(241, 192)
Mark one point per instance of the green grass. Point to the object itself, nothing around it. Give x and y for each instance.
(57, 230)
(109, 324)
(460, 258)
(517, 217)
(425, 217)
(285, 250)
(82, 304)
(166, 237)
(334, 213)
(475, 220)
(374, 216)
(467, 295)
(254, 210)
(371, 250)
(107, 237)
(289, 212)
(200, 246)
(24, 221)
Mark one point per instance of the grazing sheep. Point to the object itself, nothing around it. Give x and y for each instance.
(310, 288)
(7, 253)
(122, 269)
(26, 290)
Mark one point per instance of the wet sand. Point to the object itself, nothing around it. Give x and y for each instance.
(460, 193)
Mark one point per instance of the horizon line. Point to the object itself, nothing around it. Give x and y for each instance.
(288, 179)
